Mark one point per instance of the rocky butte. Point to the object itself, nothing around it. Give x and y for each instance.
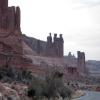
(11, 50)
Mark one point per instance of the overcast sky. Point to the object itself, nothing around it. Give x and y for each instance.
(77, 20)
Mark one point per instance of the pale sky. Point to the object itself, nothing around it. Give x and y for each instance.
(77, 20)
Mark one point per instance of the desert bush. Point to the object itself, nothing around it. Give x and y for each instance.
(51, 87)
(65, 92)
(10, 74)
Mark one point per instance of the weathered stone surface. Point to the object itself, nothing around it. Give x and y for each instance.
(81, 62)
(6, 93)
(35, 44)
(54, 48)
(3, 5)
(13, 91)
(17, 18)
(49, 48)
(10, 34)
(11, 49)
(9, 17)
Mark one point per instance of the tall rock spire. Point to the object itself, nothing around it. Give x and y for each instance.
(9, 17)
(17, 18)
(3, 5)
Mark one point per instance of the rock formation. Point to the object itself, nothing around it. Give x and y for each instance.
(53, 47)
(12, 45)
(81, 62)
(36, 45)
(11, 50)
(9, 17)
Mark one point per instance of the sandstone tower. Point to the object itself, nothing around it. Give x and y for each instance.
(9, 17)
(81, 62)
(54, 48)
(10, 33)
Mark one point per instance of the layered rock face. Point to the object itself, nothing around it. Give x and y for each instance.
(10, 34)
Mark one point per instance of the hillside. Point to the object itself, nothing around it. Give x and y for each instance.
(94, 67)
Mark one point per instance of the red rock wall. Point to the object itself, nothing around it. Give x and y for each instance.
(10, 35)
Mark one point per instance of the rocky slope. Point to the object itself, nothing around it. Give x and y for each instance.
(13, 91)
(33, 42)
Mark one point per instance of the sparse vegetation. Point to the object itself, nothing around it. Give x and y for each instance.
(52, 87)
(10, 74)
